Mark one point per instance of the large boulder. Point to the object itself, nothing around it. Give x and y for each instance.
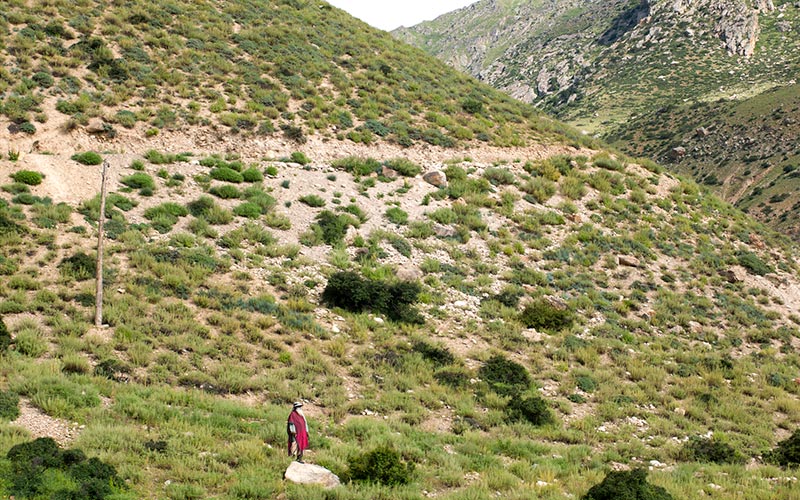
(436, 178)
(311, 474)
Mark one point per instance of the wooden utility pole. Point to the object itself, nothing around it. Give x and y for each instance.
(98, 299)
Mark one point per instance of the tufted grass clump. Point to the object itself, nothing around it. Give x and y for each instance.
(404, 167)
(9, 405)
(753, 263)
(139, 180)
(357, 165)
(28, 177)
(226, 174)
(5, 337)
(88, 158)
(312, 200)
(383, 465)
(78, 267)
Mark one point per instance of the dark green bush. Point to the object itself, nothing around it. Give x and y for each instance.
(397, 215)
(533, 410)
(504, 376)
(9, 404)
(248, 209)
(544, 316)
(457, 378)
(88, 158)
(5, 337)
(28, 177)
(225, 191)
(27, 128)
(350, 291)
(79, 267)
(111, 368)
(357, 165)
(626, 485)
(333, 227)
(787, 453)
(139, 180)
(382, 465)
(585, 383)
(226, 174)
(200, 206)
(753, 263)
(438, 355)
(710, 450)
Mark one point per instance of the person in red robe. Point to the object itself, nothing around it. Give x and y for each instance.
(297, 428)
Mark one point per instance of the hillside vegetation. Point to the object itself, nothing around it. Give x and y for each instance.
(645, 75)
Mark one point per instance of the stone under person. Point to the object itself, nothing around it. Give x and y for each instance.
(297, 429)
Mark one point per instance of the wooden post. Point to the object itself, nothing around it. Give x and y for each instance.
(98, 304)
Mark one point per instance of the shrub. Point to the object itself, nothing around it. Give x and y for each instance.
(88, 158)
(505, 377)
(382, 465)
(9, 405)
(158, 158)
(404, 167)
(79, 266)
(711, 450)
(544, 316)
(533, 410)
(787, 453)
(5, 337)
(332, 227)
(439, 356)
(499, 176)
(350, 291)
(299, 157)
(312, 200)
(226, 174)
(753, 263)
(457, 378)
(248, 209)
(27, 128)
(252, 174)
(604, 160)
(28, 177)
(585, 383)
(138, 180)
(226, 191)
(357, 165)
(397, 215)
(626, 485)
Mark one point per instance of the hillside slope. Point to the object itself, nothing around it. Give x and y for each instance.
(611, 67)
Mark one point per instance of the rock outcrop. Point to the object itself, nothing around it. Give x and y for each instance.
(311, 474)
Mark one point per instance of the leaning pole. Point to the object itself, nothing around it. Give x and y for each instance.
(98, 301)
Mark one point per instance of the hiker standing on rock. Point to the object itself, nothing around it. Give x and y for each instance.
(297, 428)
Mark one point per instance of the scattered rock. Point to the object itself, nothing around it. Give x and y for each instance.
(783, 26)
(409, 273)
(676, 154)
(444, 231)
(756, 241)
(627, 260)
(702, 132)
(436, 178)
(311, 474)
(389, 172)
(556, 302)
(95, 126)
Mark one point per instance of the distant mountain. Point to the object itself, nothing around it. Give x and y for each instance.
(610, 66)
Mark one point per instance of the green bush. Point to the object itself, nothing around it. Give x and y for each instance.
(404, 167)
(79, 266)
(533, 410)
(787, 453)
(332, 227)
(226, 174)
(604, 160)
(312, 200)
(753, 263)
(439, 356)
(226, 191)
(88, 158)
(457, 378)
(299, 157)
(9, 405)
(382, 465)
(397, 215)
(32, 463)
(544, 316)
(139, 180)
(159, 158)
(505, 377)
(248, 209)
(5, 337)
(28, 177)
(357, 165)
(710, 450)
(626, 485)
(499, 176)
(252, 174)
(201, 206)
(350, 291)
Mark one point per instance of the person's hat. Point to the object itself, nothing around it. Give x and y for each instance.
(297, 404)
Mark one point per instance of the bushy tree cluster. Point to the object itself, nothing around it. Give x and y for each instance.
(350, 291)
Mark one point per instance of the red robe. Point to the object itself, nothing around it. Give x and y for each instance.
(301, 429)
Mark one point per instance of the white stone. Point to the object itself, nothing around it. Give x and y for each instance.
(311, 474)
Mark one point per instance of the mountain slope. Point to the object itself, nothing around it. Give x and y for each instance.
(608, 67)
(507, 322)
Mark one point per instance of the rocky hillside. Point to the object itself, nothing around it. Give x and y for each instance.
(466, 320)
(611, 67)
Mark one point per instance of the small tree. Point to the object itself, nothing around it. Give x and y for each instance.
(626, 485)
(787, 453)
(504, 376)
(382, 465)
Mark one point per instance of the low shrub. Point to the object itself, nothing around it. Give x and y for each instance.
(312, 200)
(139, 180)
(382, 465)
(439, 356)
(225, 191)
(88, 158)
(299, 157)
(200, 206)
(252, 174)
(9, 405)
(248, 209)
(533, 410)
(505, 377)
(5, 337)
(350, 291)
(626, 485)
(357, 165)
(226, 174)
(604, 160)
(710, 450)
(753, 263)
(457, 378)
(28, 177)
(787, 453)
(332, 227)
(404, 167)
(544, 316)
(499, 176)
(158, 158)
(397, 215)
(79, 267)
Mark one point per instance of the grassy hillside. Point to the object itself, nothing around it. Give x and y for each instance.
(565, 317)
(291, 68)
